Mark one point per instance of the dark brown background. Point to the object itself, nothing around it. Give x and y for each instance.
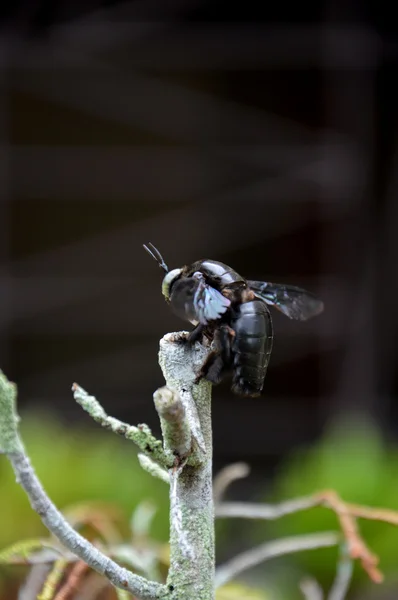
(266, 140)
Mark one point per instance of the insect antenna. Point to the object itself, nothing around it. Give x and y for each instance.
(154, 252)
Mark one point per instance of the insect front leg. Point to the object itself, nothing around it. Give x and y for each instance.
(193, 336)
(196, 334)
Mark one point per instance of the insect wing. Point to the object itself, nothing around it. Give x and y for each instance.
(209, 304)
(294, 302)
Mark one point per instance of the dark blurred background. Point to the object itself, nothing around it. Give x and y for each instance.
(257, 134)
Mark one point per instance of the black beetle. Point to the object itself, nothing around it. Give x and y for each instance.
(232, 312)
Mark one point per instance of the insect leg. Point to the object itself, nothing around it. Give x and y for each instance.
(213, 370)
(192, 337)
(227, 335)
(220, 359)
(196, 334)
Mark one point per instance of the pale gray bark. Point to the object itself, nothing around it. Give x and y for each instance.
(184, 460)
(191, 498)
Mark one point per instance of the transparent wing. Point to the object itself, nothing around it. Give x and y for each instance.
(208, 303)
(293, 301)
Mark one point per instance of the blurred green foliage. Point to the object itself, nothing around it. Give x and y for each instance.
(77, 465)
(236, 591)
(353, 459)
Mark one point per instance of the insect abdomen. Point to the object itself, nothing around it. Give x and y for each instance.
(251, 347)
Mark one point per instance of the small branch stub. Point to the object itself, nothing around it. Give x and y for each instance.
(180, 364)
(175, 426)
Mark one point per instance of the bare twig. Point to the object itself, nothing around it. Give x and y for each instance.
(53, 579)
(374, 514)
(73, 581)
(311, 589)
(34, 581)
(343, 576)
(141, 519)
(346, 513)
(269, 512)
(254, 556)
(357, 547)
(92, 587)
(226, 476)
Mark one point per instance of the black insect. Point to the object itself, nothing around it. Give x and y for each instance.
(232, 312)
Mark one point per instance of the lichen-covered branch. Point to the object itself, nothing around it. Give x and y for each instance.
(11, 445)
(192, 554)
(184, 409)
(141, 435)
(184, 460)
(153, 468)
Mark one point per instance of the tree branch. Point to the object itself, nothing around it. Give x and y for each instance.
(254, 556)
(11, 445)
(185, 415)
(346, 513)
(141, 435)
(192, 554)
(153, 468)
(269, 512)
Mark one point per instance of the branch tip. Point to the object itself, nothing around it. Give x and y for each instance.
(175, 425)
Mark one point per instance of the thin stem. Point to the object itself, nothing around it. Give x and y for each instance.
(254, 556)
(226, 476)
(311, 589)
(343, 578)
(269, 512)
(141, 435)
